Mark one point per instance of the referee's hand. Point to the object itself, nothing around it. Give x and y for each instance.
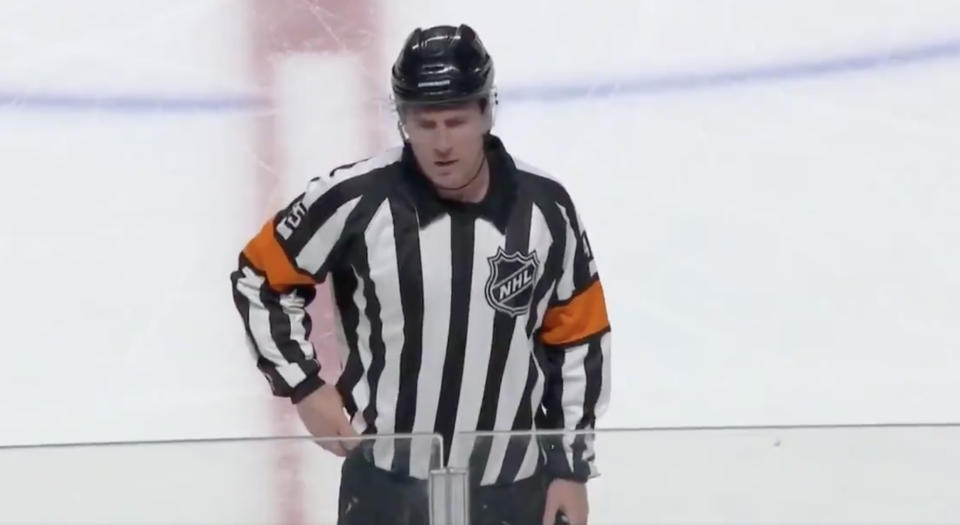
(568, 497)
(323, 414)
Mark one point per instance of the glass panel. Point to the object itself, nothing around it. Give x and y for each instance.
(851, 474)
(286, 480)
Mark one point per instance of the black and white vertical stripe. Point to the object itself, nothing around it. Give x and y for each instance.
(277, 328)
(425, 351)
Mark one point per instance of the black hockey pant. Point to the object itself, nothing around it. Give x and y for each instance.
(371, 496)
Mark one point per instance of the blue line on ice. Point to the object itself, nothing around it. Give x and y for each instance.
(939, 51)
(129, 103)
(220, 103)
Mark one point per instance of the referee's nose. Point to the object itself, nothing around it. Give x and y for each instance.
(442, 148)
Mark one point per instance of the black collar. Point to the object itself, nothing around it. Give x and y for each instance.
(495, 206)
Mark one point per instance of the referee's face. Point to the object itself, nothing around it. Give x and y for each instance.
(447, 142)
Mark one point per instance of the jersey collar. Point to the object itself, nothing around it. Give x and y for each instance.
(495, 206)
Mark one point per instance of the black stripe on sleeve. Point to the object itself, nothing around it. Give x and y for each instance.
(240, 301)
(266, 367)
(593, 369)
(580, 265)
(553, 266)
(461, 248)
(551, 415)
(406, 236)
(278, 386)
(308, 385)
(281, 324)
(280, 332)
(576, 293)
(552, 194)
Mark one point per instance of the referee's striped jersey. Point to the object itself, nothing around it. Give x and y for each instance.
(454, 317)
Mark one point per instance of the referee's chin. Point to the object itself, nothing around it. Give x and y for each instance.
(447, 175)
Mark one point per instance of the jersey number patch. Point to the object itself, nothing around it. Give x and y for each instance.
(292, 220)
(510, 285)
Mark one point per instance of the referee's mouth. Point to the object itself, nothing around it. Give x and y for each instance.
(444, 163)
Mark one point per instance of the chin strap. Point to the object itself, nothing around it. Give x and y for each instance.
(483, 160)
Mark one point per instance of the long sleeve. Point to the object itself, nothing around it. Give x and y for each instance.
(275, 281)
(575, 339)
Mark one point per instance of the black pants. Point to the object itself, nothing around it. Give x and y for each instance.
(371, 496)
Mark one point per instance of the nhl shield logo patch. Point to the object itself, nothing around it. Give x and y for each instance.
(510, 285)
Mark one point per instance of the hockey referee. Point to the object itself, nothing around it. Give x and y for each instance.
(467, 299)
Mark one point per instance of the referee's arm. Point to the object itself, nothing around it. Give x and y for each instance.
(275, 281)
(576, 338)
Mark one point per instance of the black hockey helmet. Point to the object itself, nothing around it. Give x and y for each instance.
(442, 64)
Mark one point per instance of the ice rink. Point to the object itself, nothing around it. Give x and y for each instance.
(772, 191)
